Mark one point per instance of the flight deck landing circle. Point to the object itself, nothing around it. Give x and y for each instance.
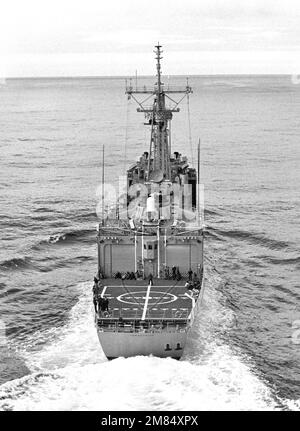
(134, 297)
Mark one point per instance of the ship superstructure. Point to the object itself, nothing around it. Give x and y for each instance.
(150, 246)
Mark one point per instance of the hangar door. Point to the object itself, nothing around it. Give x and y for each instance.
(118, 258)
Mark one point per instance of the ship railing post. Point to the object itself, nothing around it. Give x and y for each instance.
(135, 252)
(103, 179)
(158, 251)
(198, 186)
(98, 248)
(143, 250)
(165, 241)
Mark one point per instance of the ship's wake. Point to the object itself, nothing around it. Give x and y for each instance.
(70, 372)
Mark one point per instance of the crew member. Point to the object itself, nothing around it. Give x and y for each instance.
(167, 274)
(95, 300)
(100, 303)
(105, 304)
(95, 293)
(174, 272)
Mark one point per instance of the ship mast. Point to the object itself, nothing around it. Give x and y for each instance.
(159, 117)
(159, 142)
(158, 67)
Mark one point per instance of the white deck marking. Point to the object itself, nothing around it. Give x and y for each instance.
(126, 298)
(146, 301)
(189, 296)
(103, 291)
(193, 304)
(137, 285)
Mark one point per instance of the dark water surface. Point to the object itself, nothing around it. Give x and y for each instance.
(242, 352)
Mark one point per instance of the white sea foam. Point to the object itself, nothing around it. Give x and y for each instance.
(70, 371)
(74, 344)
(293, 405)
(141, 383)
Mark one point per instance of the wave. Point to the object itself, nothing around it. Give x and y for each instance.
(251, 237)
(42, 209)
(64, 263)
(16, 263)
(26, 139)
(37, 140)
(84, 235)
(9, 222)
(210, 212)
(86, 216)
(287, 261)
(70, 236)
(209, 233)
(56, 218)
(37, 262)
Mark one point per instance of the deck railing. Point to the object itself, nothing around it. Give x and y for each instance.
(136, 315)
(138, 326)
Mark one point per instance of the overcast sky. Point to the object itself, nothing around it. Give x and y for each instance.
(116, 37)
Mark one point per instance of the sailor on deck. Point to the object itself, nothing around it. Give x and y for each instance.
(103, 305)
(97, 288)
(167, 273)
(95, 293)
(174, 272)
(100, 302)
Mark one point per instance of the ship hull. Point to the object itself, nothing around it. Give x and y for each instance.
(124, 344)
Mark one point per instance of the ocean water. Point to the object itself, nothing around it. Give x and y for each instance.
(244, 349)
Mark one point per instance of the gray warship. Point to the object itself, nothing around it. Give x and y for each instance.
(150, 246)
